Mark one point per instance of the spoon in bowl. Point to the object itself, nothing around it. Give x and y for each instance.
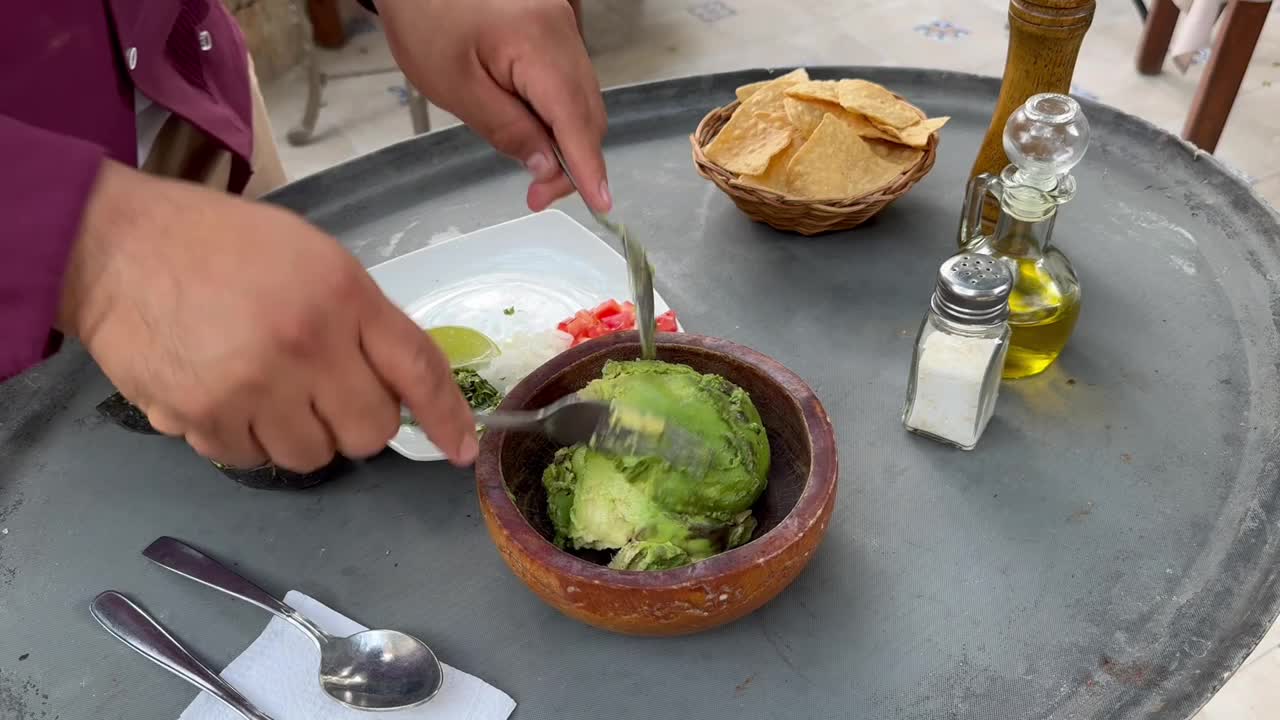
(371, 670)
(639, 271)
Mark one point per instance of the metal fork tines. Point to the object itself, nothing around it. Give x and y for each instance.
(679, 448)
(609, 428)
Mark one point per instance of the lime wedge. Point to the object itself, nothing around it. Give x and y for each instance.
(465, 347)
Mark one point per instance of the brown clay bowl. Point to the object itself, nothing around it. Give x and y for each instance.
(793, 513)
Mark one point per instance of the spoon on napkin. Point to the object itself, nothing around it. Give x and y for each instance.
(371, 670)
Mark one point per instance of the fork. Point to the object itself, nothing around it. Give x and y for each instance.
(611, 428)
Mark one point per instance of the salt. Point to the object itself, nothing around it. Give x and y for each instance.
(960, 350)
(949, 388)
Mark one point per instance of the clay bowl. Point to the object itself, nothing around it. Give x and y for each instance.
(792, 514)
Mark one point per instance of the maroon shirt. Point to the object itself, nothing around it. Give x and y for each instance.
(68, 70)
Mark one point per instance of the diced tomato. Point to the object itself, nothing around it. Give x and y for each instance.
(579, 323)
(610, 308)
(623, 320)
(610, 317)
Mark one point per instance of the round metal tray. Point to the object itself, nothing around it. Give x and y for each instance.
(1110, 550)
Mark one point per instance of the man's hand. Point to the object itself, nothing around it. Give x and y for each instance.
(510, 69)
(247, 331)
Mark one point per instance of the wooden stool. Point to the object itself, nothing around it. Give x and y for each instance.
(1230, 57)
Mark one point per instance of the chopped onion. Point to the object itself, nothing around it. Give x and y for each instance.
(521, 355)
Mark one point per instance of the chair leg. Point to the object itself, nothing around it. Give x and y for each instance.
(1156, 34)
(418, 115)
(1217, 91)
(305, 130)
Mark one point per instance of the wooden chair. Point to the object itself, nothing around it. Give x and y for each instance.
(1232, 50)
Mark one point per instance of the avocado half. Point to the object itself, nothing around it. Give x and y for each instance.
(119, 410)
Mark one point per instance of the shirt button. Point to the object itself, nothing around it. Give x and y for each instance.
(131, 57)
(206, 40)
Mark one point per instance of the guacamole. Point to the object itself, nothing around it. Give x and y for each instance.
(655, 516)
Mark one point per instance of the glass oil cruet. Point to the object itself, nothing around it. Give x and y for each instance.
(1044, 139)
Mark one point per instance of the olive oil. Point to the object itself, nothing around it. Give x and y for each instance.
(1044, 139)
(1042, 314)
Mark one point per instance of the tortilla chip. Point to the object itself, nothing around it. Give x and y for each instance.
(916, 135)
(893, 153)
(820, 139)
(758, 129)
(748, 141)
(745, 91)
(775, 176)
(798, 75)
(804, 115)
(768, 97)
(864, 127)
(875, 102)
(835, 163)
(815, 90)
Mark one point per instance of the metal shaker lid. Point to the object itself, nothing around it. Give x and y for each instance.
(973, 289)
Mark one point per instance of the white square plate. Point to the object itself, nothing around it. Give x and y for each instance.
(545, 265)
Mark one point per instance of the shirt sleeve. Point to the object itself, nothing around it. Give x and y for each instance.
(45, 182)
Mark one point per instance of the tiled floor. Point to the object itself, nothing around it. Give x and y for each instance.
(635, 40)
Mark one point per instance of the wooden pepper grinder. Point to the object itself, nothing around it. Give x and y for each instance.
(1044, 40)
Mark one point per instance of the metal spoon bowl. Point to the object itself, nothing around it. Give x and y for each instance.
(371, 670)
(379, 670)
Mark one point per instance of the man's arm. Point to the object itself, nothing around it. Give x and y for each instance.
(45, 183)
(245, 330)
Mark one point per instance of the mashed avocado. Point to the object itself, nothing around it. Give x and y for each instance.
(655, 516)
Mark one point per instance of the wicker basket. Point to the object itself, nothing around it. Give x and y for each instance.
(805, 217)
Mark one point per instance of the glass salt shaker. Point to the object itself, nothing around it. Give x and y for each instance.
(960, 351)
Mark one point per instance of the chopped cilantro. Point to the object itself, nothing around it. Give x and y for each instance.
(481, 395)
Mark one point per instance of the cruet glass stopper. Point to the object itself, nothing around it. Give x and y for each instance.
(1044, 139)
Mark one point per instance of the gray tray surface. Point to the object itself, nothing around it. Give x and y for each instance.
(1111, 549)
